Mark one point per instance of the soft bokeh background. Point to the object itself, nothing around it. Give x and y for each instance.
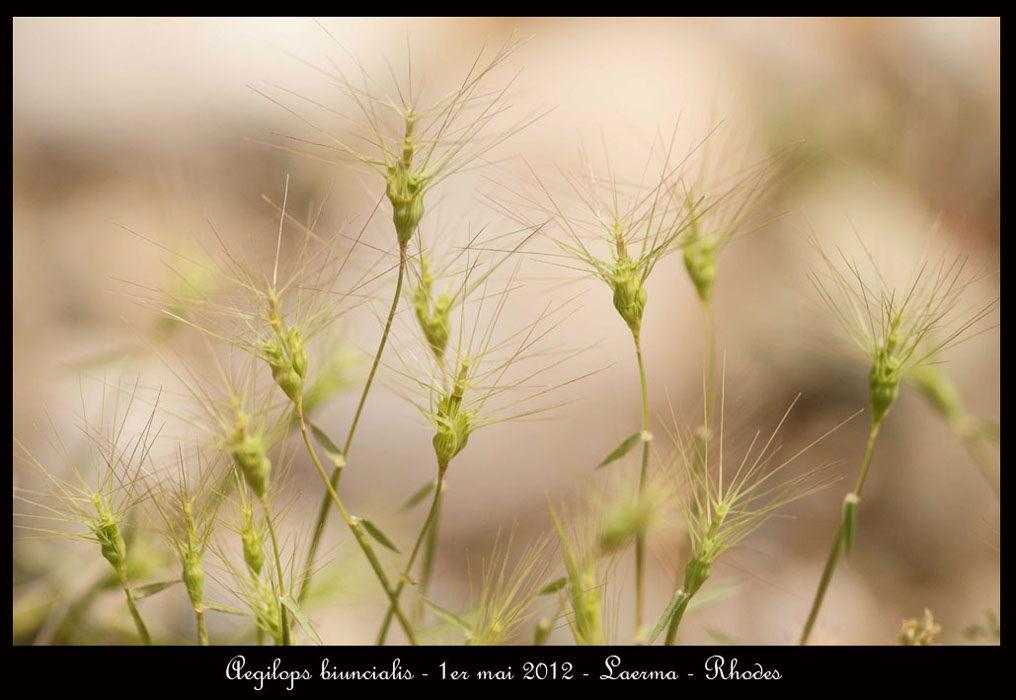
(162, 127)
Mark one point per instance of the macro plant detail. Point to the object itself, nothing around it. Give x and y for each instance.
(448, 291)
(899, 330)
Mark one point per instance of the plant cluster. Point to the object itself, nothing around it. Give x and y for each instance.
(218, 498)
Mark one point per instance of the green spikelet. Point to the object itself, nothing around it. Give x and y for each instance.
(107, 530)
(453, 423)
(405, 188)
(700, 262)
(248, 451)
(253, 542)
(884, 378)
(284, 370)
(193, 574)
(626, 280)
(433, 316)
(629, 294)
(266, 610)
(194, 578)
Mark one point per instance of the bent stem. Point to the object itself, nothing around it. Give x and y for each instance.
(640, 539)
(333, 481)
(138, 622)
(354, 526)
(429, 525)
(838, 542)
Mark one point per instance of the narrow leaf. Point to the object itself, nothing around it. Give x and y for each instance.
(723, 638)
(622, 449)
(554, 586)
(450, 617)
(225, 609)
(849, 522)
(297, 611)
(418, 496)
(333, 452)
(713, 593)
(679, 598)
(378, 535)
(151, 589)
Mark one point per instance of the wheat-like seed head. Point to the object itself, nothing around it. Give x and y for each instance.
(509, 590)
(615, 230)
(95, 500)
(492, 376)
(897, 328)
(724, 505)
(411, 145)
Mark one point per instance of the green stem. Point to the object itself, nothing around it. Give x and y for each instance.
(640, 539)
(279, 594)
(323, 509)
(834, 553)
(202, 630)
(707, 313)
(430, 522)
(695, 575)
(427, 566)
(675, 621)
(138, 622)
(354, 526)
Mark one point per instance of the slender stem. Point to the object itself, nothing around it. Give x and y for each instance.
(695, 575)
(707, 314)
(827, 575)
(323, 509)
(830, 567)
(430, 522)
(427, 565)
(260, 634)
(278, 569)
(202, 630)
(675, 621)
(354, 526)
(138, 622)
(640, 539)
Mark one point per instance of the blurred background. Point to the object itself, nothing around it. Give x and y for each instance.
(136, 139)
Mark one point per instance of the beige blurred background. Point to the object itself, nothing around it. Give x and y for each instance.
(158, 126)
